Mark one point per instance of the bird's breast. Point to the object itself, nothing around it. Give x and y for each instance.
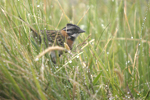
(70, 43)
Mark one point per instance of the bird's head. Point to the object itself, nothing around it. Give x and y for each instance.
(72, 31)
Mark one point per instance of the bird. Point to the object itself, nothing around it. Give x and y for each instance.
(67, 35)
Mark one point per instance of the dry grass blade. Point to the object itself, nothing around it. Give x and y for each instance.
(83, 16)
(49, 50)
(62, 10)
(84, 42)
(87, 44)
(66, 46)
(120, 76)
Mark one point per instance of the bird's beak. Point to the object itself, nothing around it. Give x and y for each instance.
(81, 31)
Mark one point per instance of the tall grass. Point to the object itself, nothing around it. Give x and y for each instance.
(111, 60)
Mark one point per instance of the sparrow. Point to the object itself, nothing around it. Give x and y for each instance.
(67, 35)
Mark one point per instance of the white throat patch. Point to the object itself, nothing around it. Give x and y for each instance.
(75, 35)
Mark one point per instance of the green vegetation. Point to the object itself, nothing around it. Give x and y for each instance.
(111, 60)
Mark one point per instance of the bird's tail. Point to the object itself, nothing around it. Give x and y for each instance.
(35, 34)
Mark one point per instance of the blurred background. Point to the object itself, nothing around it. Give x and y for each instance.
(111, 60)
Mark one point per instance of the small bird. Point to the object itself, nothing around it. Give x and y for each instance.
(52, 37)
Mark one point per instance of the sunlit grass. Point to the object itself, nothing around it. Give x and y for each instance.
(111, 60)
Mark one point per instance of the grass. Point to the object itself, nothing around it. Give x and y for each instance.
(111, 60)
